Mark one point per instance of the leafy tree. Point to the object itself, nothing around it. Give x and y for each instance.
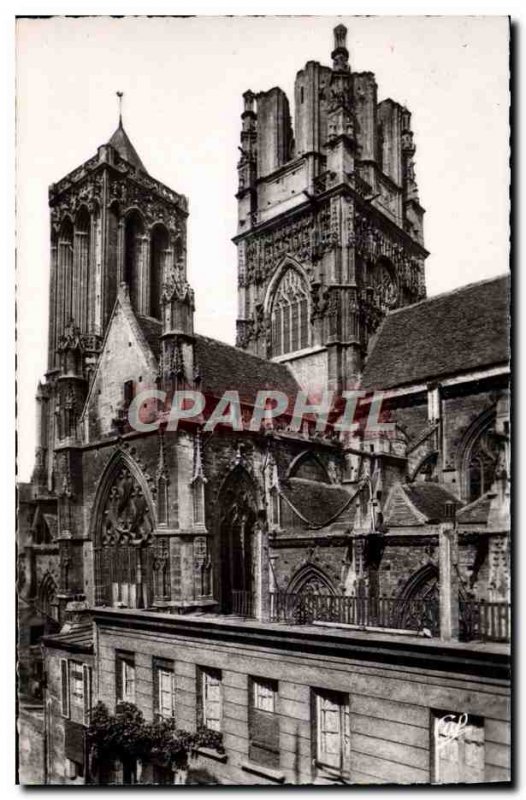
(127, 737)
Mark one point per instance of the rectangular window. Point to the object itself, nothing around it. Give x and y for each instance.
(332, 724)
(263, 722)
(457, 748)
(210, 698)
(75, 691)
(64, 677)
(164, 688)
(125, 677)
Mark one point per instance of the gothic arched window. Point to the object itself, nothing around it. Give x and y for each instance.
(47, 596)
(65, 270)
(159, 252)
(290, 315)
(481, 463)
(133, 256)
(124, 542)
(81, 268)
(310, 579)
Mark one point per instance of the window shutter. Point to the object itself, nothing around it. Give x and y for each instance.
(64, 676)
(329, 731)
(346, 736)
(156, 688)
(212, 701)
(86, 671)
(459, 754)
(200, 679)
(118, 678)
(263, 723)
(166, 692)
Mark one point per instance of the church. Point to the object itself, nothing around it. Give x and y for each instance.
(320, 599)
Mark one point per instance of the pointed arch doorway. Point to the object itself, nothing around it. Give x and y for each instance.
(238, 515)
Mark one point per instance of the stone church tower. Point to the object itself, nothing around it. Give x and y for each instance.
(330, 233)
(112, 225)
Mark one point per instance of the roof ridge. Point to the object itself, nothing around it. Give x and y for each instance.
(243, 352)
(456, 290)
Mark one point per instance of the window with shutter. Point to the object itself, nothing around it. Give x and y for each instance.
(458, 748)
(163, 688)
(64, 678)
(211, 698)
(166, 692)
(125, 677)
(332, 731)
(87, 693)
(263, 723)
(76, 692)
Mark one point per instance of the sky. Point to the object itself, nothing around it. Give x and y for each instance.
(183, 80)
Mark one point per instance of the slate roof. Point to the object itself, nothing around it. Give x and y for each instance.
(319, 504)
(152, 330)
(223, 367)
(77, 639)
(456, 332)
(477, 511)
(430, 498)
(122, 144)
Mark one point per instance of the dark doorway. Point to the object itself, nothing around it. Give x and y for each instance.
(238, 517)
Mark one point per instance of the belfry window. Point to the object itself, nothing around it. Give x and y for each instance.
(290, 315)
(133, 257)
(159, 255)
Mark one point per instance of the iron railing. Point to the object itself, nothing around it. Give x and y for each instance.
(477, 619)
(489, 622)
(242, 604)
(372, 612)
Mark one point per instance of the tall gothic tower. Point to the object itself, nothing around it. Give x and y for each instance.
(330, 233)
(111, 223)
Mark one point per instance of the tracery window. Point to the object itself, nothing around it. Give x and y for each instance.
(124, 551)
(290, 315)
(481, 464)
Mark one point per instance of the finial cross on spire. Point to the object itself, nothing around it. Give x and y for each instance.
(120, 95)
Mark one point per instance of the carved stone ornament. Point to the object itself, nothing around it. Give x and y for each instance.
(126, 518)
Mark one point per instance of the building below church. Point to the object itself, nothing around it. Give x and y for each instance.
(333, 606)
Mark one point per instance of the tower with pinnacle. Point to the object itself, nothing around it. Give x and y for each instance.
(112, 224)
(330, 227)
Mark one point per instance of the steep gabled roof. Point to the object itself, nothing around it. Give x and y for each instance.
(318, 504)
(476, 512)
(222, 367)
(418, 503)
(152, 330)
(463, 330)
(430, 499)
(122, 144)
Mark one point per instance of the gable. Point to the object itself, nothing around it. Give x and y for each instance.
(399, 511)
(125, 357)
